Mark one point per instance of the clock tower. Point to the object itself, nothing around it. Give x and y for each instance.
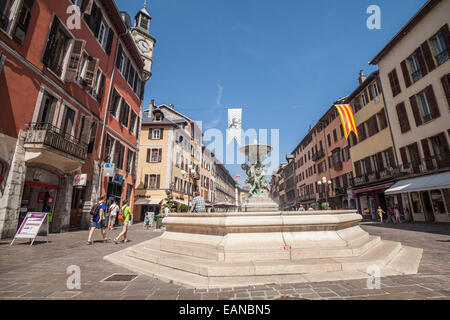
(144, 40)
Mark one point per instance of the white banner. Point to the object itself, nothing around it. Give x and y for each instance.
(234, 130)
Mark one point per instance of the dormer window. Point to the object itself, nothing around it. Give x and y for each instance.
(158, 116)
(144, 23)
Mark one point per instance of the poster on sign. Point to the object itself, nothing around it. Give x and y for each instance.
(30, 226)
(108, 170)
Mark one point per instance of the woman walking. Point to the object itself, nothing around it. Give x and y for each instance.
(126, 212)
(380, 213)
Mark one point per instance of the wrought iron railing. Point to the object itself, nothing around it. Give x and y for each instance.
(340, 191)
(427, 117)
(441, 57)
(307, 197)
(49, 135)
(318, 155)
(416, 75)
(421, 166)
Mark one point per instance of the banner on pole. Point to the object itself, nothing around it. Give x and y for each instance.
(234, 125)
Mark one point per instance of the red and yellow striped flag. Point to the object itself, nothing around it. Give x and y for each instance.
(348, 119)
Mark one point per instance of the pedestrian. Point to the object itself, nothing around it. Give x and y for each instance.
(147, 220)
(113, 210)
(198, 204)
(98, 219)
(397, 215)
(301, 208)
(380, 213)
(126, 214)
(407, 215)
(166, 210)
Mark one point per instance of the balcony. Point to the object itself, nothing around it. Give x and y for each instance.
(424, 166)
(416, 75)
(307, 197)
(340, 191)
(318, 155)
(441, 57)
(44, 143)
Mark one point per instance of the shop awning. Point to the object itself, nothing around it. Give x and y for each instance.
(431, 182)
(143, 201)
(374, 188)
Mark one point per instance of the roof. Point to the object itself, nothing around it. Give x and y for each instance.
(363, 85)
(427, 7)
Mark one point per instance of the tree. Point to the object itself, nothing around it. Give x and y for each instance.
(169, 200)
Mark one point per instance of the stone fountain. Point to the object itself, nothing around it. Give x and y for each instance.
(263, 245)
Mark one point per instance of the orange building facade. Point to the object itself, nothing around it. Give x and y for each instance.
(71, 92)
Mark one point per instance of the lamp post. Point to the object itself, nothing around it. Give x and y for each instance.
(326, 184)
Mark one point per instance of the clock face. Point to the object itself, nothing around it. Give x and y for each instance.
(143, 45)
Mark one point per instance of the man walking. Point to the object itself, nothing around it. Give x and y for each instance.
(98, 219)
(198, 204)
(113, 210)
(126, 212)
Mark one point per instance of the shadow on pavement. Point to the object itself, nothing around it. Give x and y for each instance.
(436, 228)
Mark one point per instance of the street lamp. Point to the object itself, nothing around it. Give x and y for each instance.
(326, 184)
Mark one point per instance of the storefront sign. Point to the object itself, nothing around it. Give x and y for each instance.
(80, 180)
(118, 178)
(30, 226)
(108, 169)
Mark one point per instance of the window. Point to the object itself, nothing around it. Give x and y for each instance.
(99, 86)
(109, 144)
(47, 109)
(130, 162)
(424, 107)
(132, 127)
(382, 119)
(152, 181)
(115, 102)
(119, 154)
(395, 84)
(15, 16)
(156, 134)
(68, 121)
(329, 140)
(403, 118)
(375, 89)
(414, 67)
(335, 135)
(439, 48)
(124, 113)
(155, 155)
(56, 51)
(93, 135)
(99, 27)
(363, 100)
(438, 201)
(416, 203)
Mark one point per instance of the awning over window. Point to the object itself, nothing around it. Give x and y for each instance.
(431, 182)
(152, 201)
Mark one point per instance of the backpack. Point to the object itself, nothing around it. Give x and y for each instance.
(95, 209)
(121, 214)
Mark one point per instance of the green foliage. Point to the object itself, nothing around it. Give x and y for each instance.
(169, 201)
(325, 206)
(184, 208)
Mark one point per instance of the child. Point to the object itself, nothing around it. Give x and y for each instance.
(147, 221)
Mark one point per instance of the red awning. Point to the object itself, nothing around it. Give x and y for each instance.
(374, 188)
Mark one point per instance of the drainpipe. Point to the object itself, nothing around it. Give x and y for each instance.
(389, 125)
(106, 113)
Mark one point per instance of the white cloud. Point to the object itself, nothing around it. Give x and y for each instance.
(219, 94)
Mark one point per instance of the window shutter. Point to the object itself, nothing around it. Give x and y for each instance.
(159, 155)
(380, 88)
(406, 74)
(426, 153)
(403, 118)
(101, 88)
(391, 156)
(404, 158)
(428, 56)
(368, 165)
(432, 101)
(146, 182)
(423, 67)
(446, 86)
(446, 35)
(162, 133)
(142, 90)
(91, 72)
(50, 43)
(158, 181)
(75, 60)
(148, 155)
(85, 134)
(444, 142)
(119, 56)
(380, 160)
(415, 110)
(358, 168)
(367, 96)
(110, 40)
(150, 134)
(371, 93)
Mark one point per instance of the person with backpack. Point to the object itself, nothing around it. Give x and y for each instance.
(125, 214)
(98, 219)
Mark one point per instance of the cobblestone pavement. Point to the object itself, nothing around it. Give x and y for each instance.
(39, 272)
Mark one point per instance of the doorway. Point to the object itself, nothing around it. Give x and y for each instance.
(428, 207)
(76, 211)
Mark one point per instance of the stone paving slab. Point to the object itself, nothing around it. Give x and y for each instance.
(39, 272)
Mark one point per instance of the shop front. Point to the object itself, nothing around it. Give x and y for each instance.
(115, 189)
(369, 198)
(78, 198)
(144, 205)
(428, 196)
(40, 192)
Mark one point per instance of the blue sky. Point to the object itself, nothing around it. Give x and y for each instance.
(284, 62)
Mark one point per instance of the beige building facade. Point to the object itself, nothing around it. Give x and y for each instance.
(415, 71)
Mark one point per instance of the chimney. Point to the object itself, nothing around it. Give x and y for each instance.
(152, 107)
(362, 77)
(171, 106)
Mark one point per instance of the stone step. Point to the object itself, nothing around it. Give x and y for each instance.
(379, 255)
(407, 260)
